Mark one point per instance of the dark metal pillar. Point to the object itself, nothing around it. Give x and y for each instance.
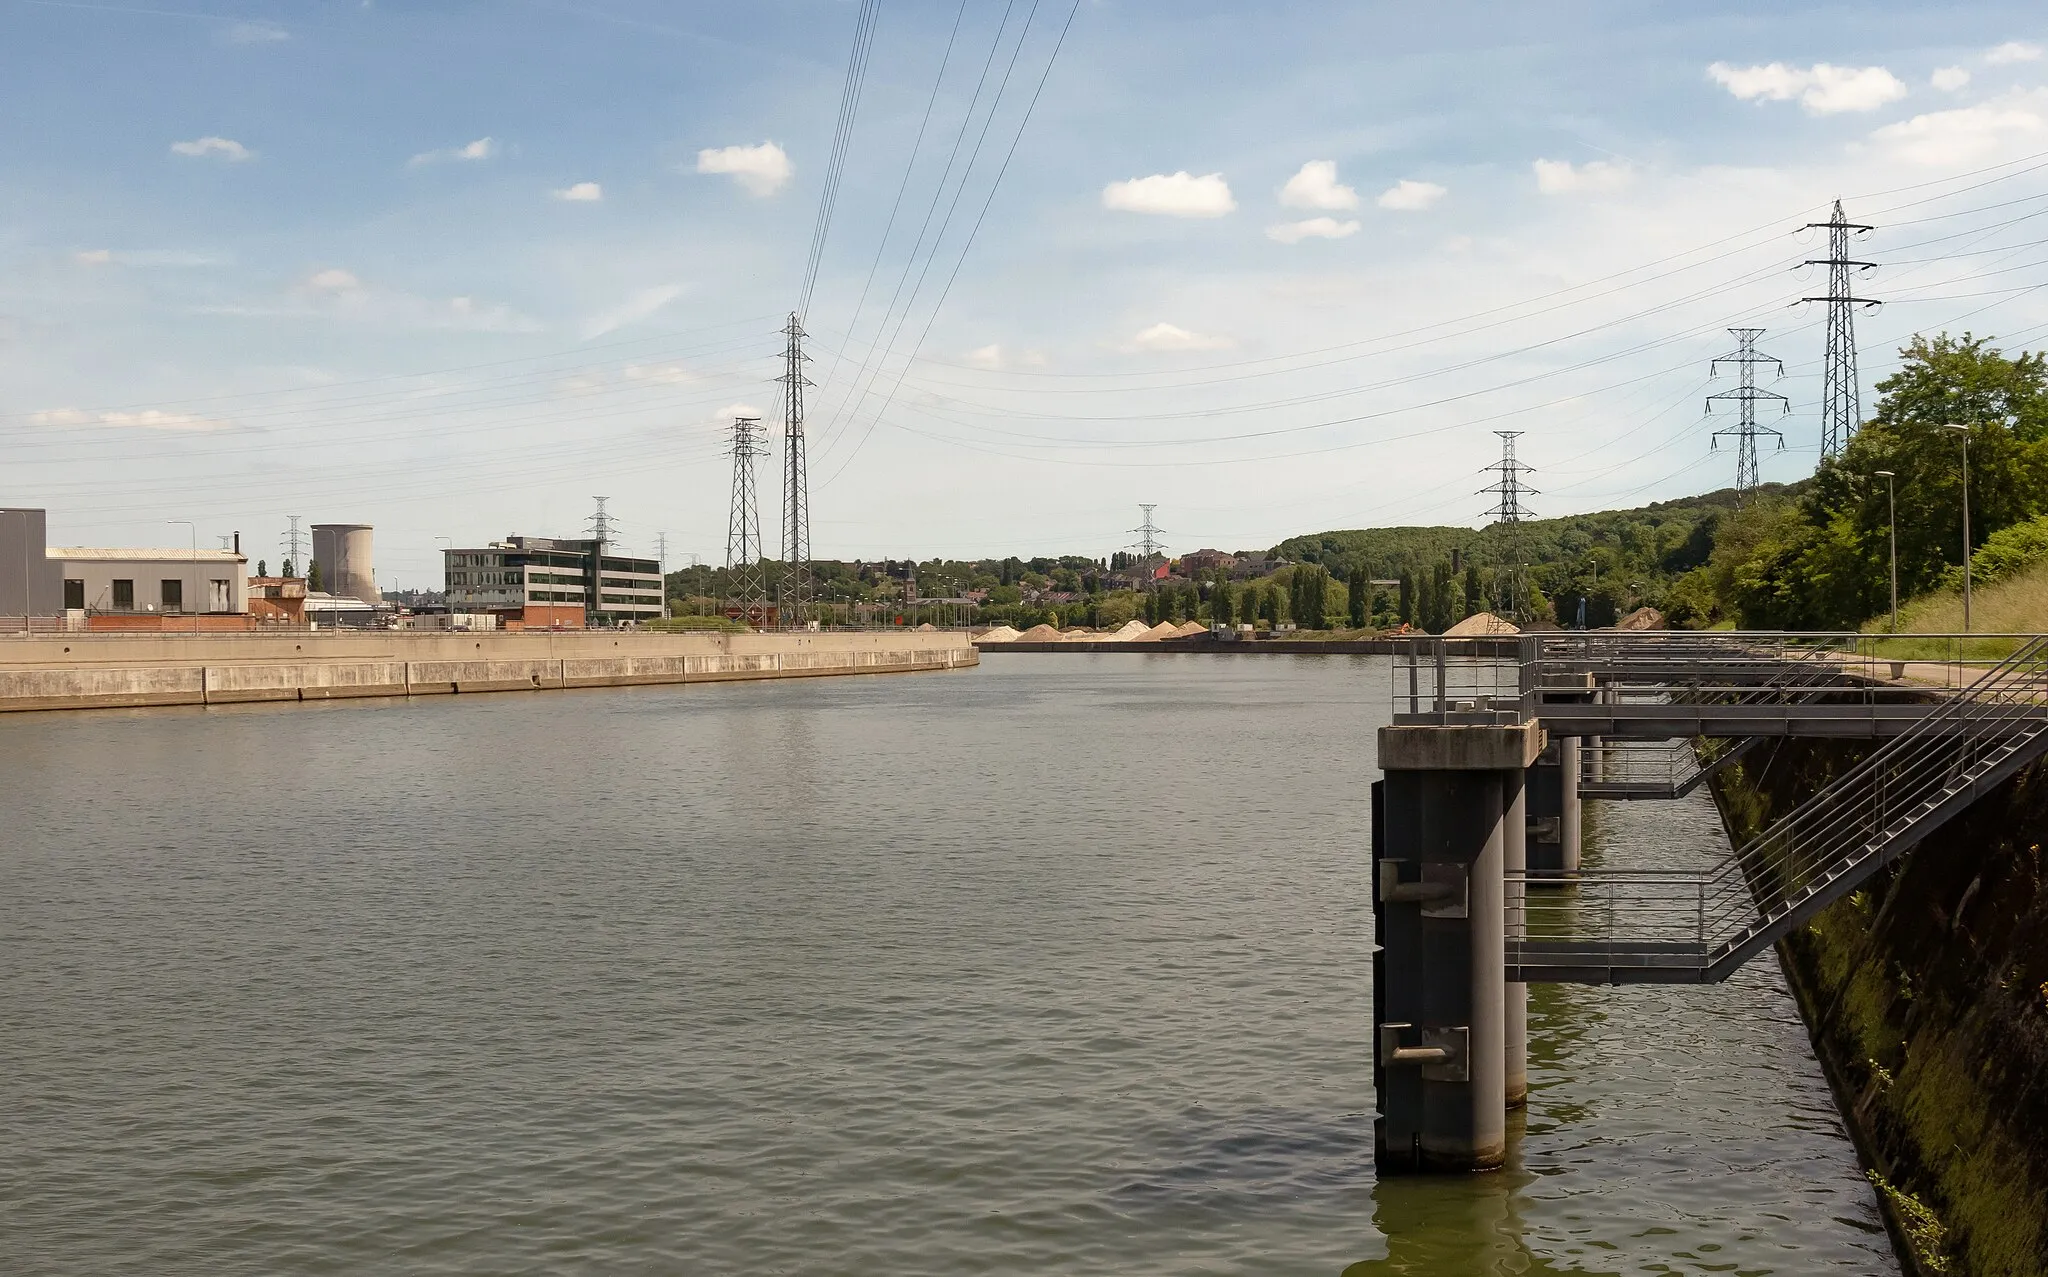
(1441, 847)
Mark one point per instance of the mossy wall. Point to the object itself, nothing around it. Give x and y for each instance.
(1927, 996)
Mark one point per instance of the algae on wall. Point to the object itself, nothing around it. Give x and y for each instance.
(1927, 996)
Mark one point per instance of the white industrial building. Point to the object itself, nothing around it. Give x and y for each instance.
(142, 580)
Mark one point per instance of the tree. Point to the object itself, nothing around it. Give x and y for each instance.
(313, 576)
(1475, 596)
(287, 569)
(1359, 603)
(262, 568)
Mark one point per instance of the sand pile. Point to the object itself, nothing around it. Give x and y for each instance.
(1000, 634)
(1039, 634)
(1163, 630)
(1188, 629)
(927, 628)
(1480, 624)
(1643, 618)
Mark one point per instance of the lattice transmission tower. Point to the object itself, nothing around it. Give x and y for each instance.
(746, 586)
(601, 528)
(1746, 395)
(1510, 584)
(799, 583)
(1149, 546)
(290, 539)
(1841, 409)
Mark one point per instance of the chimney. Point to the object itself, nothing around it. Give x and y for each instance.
(238, 543)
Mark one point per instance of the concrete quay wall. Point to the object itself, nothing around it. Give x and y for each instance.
(105, 671)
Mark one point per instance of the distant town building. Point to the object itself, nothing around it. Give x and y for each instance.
(1207, 561)
(539, 581)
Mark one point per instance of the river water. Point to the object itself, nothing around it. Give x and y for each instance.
(1061, 965)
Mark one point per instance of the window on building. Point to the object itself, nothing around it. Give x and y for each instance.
(220, 598)
(124, 595)
(172, 595)
(74, 595)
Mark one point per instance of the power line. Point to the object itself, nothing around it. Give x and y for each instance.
(842, 138)
(1746, 396)
(1841, 407)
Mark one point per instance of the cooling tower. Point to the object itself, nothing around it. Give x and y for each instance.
(343, 552)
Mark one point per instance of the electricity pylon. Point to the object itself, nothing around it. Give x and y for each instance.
(800, 584)
(1149, 547)
(1510, 590)
(1841, 409)
(1746, 396)
(746, 588)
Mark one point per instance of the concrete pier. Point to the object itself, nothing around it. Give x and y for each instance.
(1441, 832)
(88, 671)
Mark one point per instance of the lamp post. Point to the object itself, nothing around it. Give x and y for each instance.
(1964, 431)
(192, 567)
(1891, 503)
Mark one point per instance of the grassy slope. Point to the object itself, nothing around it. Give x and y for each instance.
(2017, 605)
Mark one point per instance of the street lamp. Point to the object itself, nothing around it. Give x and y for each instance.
(192, 568)
(1891, 502)
(1964, 431)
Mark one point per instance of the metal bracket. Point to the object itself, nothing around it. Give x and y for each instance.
(1545, 828)
(1444, 1053)
(1451, 890)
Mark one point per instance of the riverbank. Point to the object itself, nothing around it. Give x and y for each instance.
(1926, 995)
(92, 671)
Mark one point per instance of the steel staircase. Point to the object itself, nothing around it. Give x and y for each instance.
(1648, 925)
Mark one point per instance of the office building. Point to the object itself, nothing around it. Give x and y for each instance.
(540, 581)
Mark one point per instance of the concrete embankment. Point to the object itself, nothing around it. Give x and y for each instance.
(86, 671)
(1505, 648)
(1927, 997)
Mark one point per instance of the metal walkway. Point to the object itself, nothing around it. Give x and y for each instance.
(1944, 737)
(1636, 925)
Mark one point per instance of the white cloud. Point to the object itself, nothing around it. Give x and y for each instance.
(147, 419)
(224, 147)
(760, 170)
(481, 149)
(93, 256)
(333, 280)
(660, 374)
(254, 33)
(1561, 177)
(1169, 337)
(1965, 134)
(1408, 196)
(1822, 89)
(990, 356)
(1171, 195)
(631, 311)
(1949, 79)
(1313, 228)
(580, 193)
(723, 417)
(2013, 51)
(1315, 185)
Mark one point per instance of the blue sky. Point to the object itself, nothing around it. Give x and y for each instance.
(453, 269)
